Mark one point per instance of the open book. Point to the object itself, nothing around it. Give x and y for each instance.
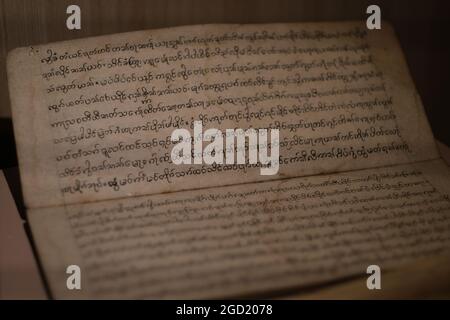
(360, 181)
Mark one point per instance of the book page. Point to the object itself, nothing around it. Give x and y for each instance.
(93, 117)
(249, 239)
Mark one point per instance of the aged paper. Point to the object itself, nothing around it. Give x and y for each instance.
(358, 182)
(248, 239)
(93, 117)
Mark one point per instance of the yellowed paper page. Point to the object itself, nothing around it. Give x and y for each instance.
(249, 239)
(93, 117)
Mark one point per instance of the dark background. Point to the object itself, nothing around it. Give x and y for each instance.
(423, 28)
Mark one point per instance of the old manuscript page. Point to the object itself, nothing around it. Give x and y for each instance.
(93, 117)
(359, 179)
(249, 239)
